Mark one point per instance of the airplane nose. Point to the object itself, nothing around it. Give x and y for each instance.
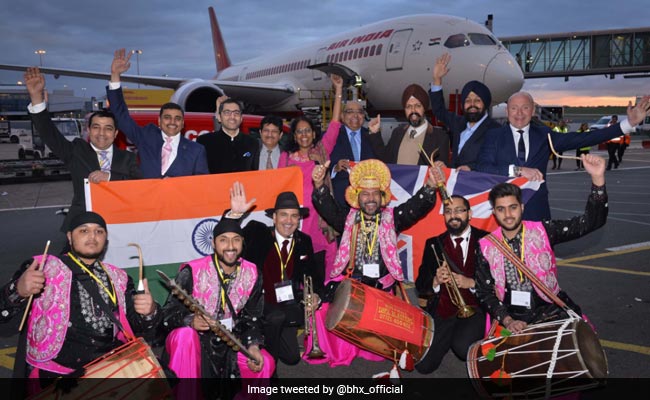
(503, 76)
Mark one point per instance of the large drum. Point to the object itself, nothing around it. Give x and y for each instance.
(132, 362)
(378, 321)
(544, 360)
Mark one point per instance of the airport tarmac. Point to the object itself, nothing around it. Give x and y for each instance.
(606, 272)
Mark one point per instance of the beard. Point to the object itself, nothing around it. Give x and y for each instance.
(222, 260)
(415, 122)
(364, 208)
(95, 255)
(462, 225)
(473, 114)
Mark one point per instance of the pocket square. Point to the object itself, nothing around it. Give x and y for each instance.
(247, 154)
(303, 257)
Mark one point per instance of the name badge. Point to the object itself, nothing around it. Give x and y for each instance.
(371, 270)
(519, 298)
(227, 322)
(283, 291)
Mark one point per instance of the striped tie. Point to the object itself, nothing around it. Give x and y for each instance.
(104, 162)
(269, 160)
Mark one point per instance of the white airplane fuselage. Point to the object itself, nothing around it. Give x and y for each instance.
(388, 55)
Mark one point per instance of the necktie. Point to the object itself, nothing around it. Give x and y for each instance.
(269, 161)
(412, 133)
(521, 152)
(166, 153)
(355, 148)
(284, 257)
(104, 162)
(459, 250)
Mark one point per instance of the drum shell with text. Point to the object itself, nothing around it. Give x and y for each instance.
(565, 354)
(378, 321)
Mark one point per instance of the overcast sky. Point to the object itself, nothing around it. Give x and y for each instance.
(175, 35)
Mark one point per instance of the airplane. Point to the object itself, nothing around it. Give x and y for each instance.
(383, 58)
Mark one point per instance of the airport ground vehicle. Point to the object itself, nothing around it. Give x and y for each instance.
(29, 141)
(604, 121)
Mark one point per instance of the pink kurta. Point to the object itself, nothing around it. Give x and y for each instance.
(310, 224)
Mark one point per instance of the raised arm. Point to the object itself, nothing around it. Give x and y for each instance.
(329, 138)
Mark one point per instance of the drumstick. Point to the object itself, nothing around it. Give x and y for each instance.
(141, 274)
(31, 296)
(550, 143)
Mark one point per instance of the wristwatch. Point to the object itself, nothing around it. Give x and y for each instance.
(516, 170)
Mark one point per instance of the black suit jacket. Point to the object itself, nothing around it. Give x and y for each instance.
(456, 124)
(225, 154)
(81, 159)
(435, 138)
(343, 151)
(260, 241)
(498, 153)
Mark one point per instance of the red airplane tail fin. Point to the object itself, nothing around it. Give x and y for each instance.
(220, 53)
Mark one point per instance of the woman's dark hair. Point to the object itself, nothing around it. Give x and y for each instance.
(292, 145)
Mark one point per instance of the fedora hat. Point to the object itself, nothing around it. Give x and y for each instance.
(287, 200)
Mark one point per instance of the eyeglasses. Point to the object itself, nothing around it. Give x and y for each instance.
(228, 113)
(357, 112)
(455, 211)
(304, 131)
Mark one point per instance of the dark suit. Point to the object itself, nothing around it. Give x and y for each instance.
(226, 154)
(343, 151)
(453, 333)
(456, 124)
(190, 158)
(498, 153)
(81, 159)
(281, 320)
(435, 138)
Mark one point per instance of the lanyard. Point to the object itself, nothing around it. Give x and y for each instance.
(111, 294)
(521, 250)
(223, 280)
(284, 263)
(371, 245)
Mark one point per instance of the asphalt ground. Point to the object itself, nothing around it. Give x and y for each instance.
(606, 272)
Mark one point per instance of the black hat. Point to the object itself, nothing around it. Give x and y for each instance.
(86, 217)
(287, 200)
(481, 91)
(227, 225)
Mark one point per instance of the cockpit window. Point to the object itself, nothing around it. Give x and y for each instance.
(458, 40)
(481, 39)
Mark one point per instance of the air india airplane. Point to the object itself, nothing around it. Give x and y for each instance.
(382, 58)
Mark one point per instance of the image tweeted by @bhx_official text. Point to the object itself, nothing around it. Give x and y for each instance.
(330, 390)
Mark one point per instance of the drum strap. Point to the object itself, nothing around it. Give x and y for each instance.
(353, 249)
(516, 261)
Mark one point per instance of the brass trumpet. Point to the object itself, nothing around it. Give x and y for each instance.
(464, 311)
(310, 318)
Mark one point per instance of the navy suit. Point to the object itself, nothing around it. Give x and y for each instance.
(343, 151)
(498, 153)
(456, 124)
(190, 158)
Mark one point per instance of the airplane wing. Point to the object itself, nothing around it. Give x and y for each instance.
(267, 92)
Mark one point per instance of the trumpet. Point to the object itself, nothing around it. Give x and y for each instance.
(310, 318)
(464, 311)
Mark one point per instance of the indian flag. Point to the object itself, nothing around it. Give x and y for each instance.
(172, 219)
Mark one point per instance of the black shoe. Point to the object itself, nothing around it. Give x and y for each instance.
(616, 166)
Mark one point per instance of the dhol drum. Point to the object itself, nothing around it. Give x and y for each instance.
(378, 321)
(132, 362)
(547, 359)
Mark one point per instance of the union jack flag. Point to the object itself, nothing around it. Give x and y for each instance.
(474, 186)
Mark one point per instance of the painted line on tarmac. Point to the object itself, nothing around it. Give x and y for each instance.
(645, 350)
(609, 217)
(6, 358)
(34, 208)
(607, 254)
(629, 246)
(606, 269)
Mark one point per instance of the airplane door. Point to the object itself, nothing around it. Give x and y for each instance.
(319, 58)
(397, 49)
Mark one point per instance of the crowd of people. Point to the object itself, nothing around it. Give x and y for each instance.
(253, 282)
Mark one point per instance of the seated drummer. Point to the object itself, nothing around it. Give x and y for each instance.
(504, 291)
(457, 246)
(369, 228)
(82, 307)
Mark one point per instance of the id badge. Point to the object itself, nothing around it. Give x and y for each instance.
(371, 270)
(227, 322)
(519, 298)
(283, 291)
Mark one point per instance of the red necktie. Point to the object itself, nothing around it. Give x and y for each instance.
(459, 251)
